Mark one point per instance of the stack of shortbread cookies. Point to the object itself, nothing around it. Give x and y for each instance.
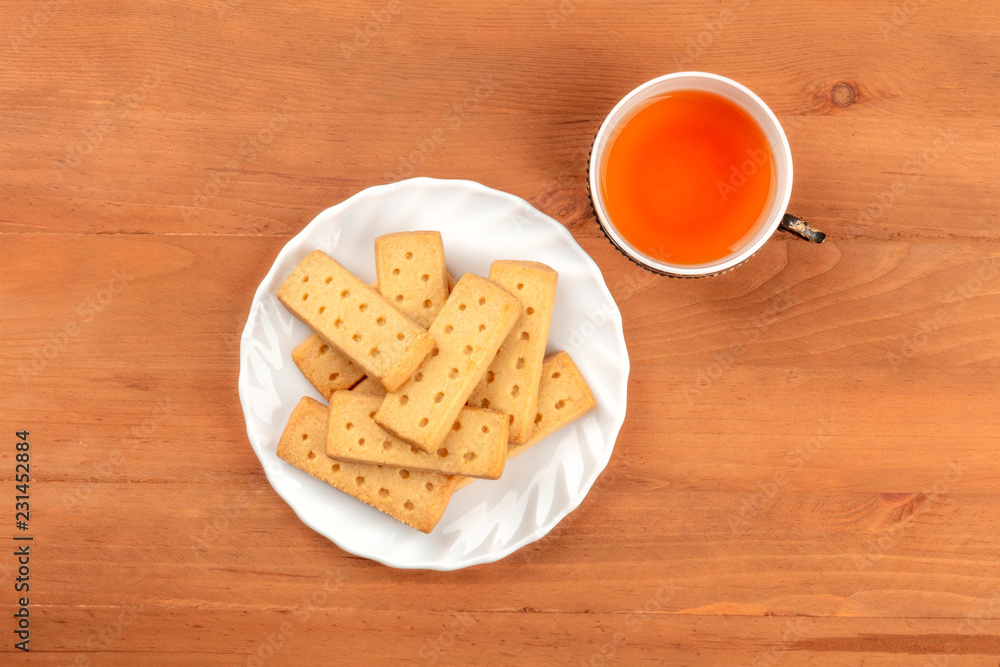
(431, 382)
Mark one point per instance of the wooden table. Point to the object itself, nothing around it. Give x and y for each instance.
(808, 470)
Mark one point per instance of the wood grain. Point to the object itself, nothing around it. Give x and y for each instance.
(807, 473)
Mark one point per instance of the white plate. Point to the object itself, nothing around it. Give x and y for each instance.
(487, 520)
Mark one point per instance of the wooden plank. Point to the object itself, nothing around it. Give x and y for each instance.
(122, 634)
(832, 553)
(204, 81)
(700, 351)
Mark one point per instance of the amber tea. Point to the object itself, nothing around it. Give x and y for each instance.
(688, 178)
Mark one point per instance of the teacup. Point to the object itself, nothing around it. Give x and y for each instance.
(765, 214)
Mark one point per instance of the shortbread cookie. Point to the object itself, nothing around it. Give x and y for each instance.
(563, 397)
(476, 445)
(356, 319)
(325, 367)
(511, 382)
(411, 273)
(416, 498)
(467, 333)
(369, 386)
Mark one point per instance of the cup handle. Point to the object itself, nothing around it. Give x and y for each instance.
(801, 228)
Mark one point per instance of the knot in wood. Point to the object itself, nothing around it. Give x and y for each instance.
(843, 94)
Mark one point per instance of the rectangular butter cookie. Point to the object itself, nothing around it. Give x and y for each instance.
(563, 397)
(411, 273)
(511, 382)
(352, 316)
(467, 333)
(325, 367)
(369, 386)
(415, 498)
(476, 445)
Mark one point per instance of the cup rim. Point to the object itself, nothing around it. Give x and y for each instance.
(779, 206)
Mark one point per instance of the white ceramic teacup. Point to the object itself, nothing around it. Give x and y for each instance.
(770, 219)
